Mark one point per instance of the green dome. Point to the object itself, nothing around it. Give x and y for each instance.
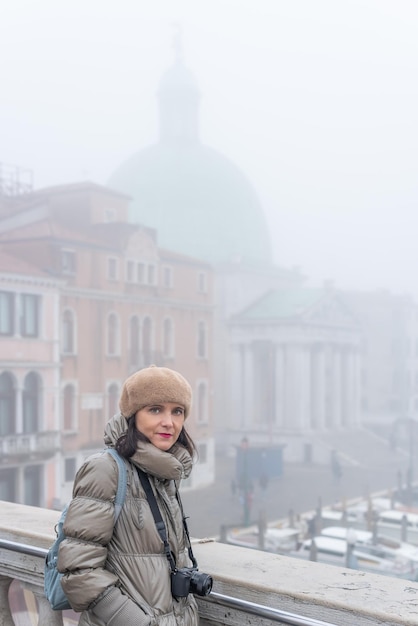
(199, 202)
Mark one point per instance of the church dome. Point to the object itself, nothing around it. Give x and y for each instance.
(198, 201)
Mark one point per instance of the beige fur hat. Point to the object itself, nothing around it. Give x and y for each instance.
(154, 385)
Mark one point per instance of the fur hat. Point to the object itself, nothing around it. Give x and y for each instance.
(154, 385)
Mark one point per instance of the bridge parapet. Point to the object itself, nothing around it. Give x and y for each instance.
(315, 591)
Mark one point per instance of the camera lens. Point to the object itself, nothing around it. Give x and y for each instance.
(201, 584)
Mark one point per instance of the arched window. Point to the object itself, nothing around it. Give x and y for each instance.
(112, 399)
(7, 405)
(68, 402)
(201, 340)
(68, 332)
(134, 341)
(202, 402)
(147, 342)
(30, 402)
(113, 342)
(168, 338)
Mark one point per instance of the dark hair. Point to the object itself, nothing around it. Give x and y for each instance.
(127, 443)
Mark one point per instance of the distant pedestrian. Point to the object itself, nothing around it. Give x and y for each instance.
(336, 465)
(263, 481)
(233, 488)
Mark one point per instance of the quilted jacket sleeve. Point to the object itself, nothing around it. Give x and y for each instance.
(82, 555)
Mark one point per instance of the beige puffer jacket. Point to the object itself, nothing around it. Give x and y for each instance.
(119, 576)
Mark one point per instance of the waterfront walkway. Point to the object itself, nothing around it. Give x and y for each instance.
(299, 488)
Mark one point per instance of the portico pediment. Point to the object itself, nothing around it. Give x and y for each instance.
(299, 305)
(330, 311)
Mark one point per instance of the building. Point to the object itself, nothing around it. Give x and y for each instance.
(119, 303)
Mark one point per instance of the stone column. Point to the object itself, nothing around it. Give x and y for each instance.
(280, 408)
(350, 392)
(46, 616)
(336, 407)
(248, 388)
(237, 385)
(297, 387)
(291, 391)
(305, 388)
(356, 386)
(318, 388)
(19, 410)
(6, 618)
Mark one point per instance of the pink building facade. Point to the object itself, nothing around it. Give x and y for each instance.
(108, 302)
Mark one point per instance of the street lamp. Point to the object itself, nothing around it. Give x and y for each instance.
(245, 482)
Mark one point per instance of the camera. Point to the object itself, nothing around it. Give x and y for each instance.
(189, 580)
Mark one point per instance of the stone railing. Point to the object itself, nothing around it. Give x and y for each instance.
(318, 592)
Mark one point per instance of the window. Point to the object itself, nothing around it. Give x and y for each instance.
(202, 402)
(7, 405)
(110, 215)
(70, 467)
(134, 341)
(112, 268)
(202, 282)
(68, 332)
(113, 342)
(7, 313)
(68, 262)
(30, 403)
(112, 399)
(167, 277)
(130, 268)
(140, 273)
(69, 407)
(8, 480)
(29, 315)
(168, 338)
(151, 275)
(201, 340)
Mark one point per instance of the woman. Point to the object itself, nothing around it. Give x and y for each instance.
(119, 575)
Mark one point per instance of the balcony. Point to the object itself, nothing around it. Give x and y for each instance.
(270, 588)
(33, 445)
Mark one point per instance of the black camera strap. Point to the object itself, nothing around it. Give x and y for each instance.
(159, 523)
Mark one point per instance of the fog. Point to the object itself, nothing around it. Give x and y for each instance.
(315, 101)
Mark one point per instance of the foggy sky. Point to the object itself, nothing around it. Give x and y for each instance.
(316, 100)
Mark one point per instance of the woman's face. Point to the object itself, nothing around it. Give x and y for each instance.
(161, 423)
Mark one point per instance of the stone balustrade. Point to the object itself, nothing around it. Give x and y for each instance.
(339, 596)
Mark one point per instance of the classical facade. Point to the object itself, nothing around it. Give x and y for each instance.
(119, 303)
(295, 367)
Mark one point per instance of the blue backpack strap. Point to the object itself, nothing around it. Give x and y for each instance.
(122, 481)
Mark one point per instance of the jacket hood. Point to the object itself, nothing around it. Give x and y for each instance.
(174, 464)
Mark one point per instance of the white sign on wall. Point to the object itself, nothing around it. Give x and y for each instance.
(91, 401)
